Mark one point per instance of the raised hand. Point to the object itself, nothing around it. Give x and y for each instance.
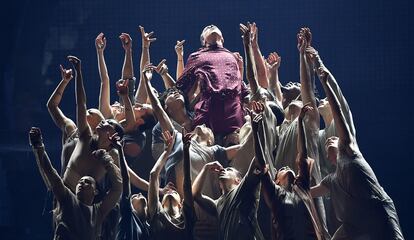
(116, 141)
(122, 87)
(146, 37)
(126, 41)
(258, 107)
(162, 68)
(214, 166)
(273, 61)
(302, 43)
(254, 35)
(306, 32)
(35, 137)
(147, 72)
(179, 48)
(168, 141)
(246, 33)
(100, 42)
(304, 110)
(66, 74)
(76, 62)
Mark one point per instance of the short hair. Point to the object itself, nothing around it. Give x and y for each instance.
(238, 174)
(202, 36)
(117, 127)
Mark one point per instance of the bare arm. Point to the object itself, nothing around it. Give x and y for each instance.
(122, 87)
(342, 128)
(160, 114)
(141, 94)
(258, 59)
(128, 67)
(49, 174)
(273, 63)
(154, 182)
(231, 152)
(114, 193)
(104, 91)
(81, 121)
(179, 49)
(246, 35)
(188, 196)
(302, 157)
(319, 191)
(204, 201)
(306, 81)
(162, 70)
(64, 123)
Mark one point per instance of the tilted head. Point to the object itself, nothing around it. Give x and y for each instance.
(139, 204)
(108, 127)
(285, 177)
(203, 134)
(293, 109)
(86, 190)
(144, 116)
(211, 35)
(171, 201)
(290, 92)
(229, 178)
(94, 117)
(331, 148)
(173, 101)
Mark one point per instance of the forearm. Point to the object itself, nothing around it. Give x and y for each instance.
(154, 183)
(274, 85)
(188, 196)
(104, 91)
(340, 123)
(260, 67)
(180, 66)
(129, 114)
(169, 82)
(53, 105)
(249, 69)
(198, 183)
(137, 181)
(49, 174)
(80, 103)
(306, 88)
(114, 193)
(268, 189)
(301, 142)
(127, 69)
(141, 94)
(160, 114)
(258, 150)
(126, 189)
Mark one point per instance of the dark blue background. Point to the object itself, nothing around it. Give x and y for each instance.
(368, 45)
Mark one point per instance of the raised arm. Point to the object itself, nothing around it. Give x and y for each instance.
(126, 186)
(141, 94)
(160, 114)
(162, 70)
(247, 42)
(123, 89)
(179, 50)
(257, 121)
(273, 64)
(188, 196)
(64, 123)
(49, 174)
(115, 181)
(154, 180)
(204, 201)
(258, 59)
(128, 67)
(104, 91)
(306, 80)
(81, 122)
(302, 157)
(342, 128)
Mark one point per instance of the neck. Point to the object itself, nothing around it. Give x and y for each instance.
(173, 211)
(84, 201)
(182, 118)
(219, 43)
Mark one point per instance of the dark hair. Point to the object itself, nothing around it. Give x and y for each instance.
(277, 111)
(149, 122)
(117, 127)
